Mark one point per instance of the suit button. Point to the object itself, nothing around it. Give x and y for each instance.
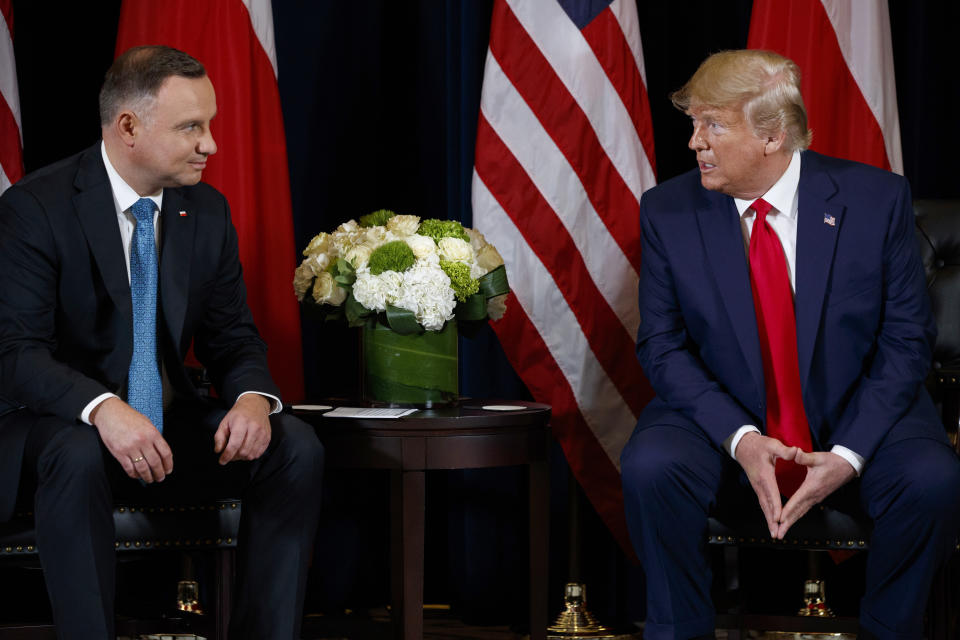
(940, 264)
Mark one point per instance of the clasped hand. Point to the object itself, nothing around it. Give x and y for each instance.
(144, 454)
(826, 472)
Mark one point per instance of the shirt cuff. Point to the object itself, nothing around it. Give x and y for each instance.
(730, 444)
(93, 404)
(275, 405)
(855, 459)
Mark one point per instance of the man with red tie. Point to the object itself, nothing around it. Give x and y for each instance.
(786, 330)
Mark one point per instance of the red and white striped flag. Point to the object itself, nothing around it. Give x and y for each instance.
(234, 41)
(845, 53)
(11, 134)
(564, 150)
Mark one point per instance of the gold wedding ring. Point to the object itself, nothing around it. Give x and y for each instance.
(137, 459)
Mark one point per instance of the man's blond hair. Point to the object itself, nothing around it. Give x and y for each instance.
(765, 85)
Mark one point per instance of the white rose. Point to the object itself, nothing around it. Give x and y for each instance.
(318, 263)
(455, 250)
(477, 241)
(319, 244)
(375, 236)
(302, 278)
(422, 246)
(403, 226)
(358, 255)
(488, 258)
(326, 291)
(350, 226)
(497, 306)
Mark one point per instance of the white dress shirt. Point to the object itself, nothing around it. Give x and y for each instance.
(783, 197)
(124, 197)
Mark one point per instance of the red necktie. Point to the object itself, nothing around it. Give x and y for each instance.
(773, 303)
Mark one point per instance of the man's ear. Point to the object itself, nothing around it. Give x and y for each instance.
(774, 144)
(127, 126)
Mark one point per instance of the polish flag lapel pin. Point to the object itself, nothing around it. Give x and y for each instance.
(183, 214)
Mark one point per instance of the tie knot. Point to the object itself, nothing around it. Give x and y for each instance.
(143, 210)
(762, 207)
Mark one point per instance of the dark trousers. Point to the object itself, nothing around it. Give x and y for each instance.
(672, 476)
(73, 481)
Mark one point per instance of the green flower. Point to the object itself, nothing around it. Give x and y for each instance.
(377, 218)
(393, 256)
(437, 229)
(463, 285)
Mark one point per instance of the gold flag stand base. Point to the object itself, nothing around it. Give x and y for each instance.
(815, 600)
(575, 621)
(187, 597)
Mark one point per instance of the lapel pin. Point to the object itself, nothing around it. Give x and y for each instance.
(183, 214)
(827, 219)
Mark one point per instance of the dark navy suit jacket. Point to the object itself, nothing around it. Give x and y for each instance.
(864, 326)
(66, 316)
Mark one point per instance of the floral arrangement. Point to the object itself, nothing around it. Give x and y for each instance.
(409, 274)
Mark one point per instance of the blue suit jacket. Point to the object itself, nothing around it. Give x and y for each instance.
(864, 327)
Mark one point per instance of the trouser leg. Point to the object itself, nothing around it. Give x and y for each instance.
(281, 505)
(671, 476)
(909, 489)
(64, 463)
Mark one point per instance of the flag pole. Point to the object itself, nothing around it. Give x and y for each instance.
(575, 621)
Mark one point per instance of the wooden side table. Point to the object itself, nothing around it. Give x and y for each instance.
(462, 437)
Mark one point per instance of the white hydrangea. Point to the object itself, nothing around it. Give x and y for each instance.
(376, 292)
(426, 291)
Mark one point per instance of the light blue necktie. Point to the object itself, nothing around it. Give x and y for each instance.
(144, 388)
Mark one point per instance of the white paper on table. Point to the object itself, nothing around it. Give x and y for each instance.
(368, 412)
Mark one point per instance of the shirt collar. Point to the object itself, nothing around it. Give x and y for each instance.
(783, 194)
(123, 194)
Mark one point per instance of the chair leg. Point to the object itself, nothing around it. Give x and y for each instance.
(224, 605)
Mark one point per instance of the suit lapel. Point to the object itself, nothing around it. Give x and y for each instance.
(723, 242)
(98, 217)
(179, 226)
(816, 242)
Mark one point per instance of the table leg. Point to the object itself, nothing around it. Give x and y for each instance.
(407, 489)
(539, 552)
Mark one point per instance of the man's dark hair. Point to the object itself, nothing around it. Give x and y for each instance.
(138, 73)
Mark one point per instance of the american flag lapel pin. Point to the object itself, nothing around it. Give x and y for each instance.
(827, 219)
(183, 214)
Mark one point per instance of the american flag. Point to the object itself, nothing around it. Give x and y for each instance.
(564, 150)
(11, 137)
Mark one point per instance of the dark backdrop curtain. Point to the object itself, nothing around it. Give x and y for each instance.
(380, 102)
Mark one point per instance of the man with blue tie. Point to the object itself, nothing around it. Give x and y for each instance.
(786, 330)
(112, 264)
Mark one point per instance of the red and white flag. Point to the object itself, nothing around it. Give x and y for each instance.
(11, 133)
(845, 54)
(234, 41)
(564, 150)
